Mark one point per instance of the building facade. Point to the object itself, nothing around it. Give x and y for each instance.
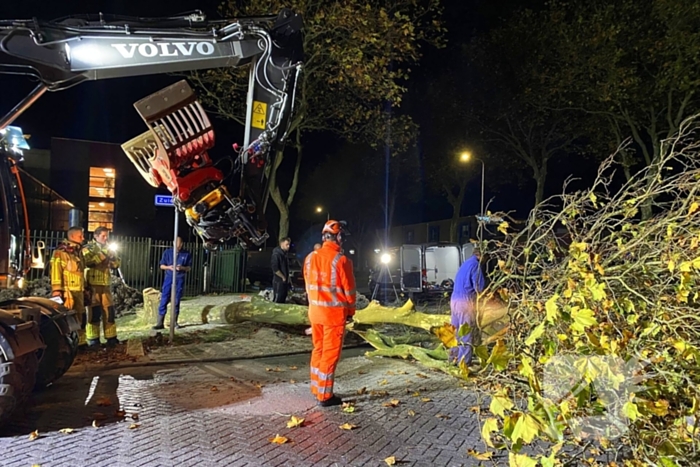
(99, 180)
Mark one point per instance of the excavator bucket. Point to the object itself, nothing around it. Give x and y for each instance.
(178, 121)
(142, 153)
(177, 141)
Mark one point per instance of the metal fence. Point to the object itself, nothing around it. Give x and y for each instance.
(222, 271)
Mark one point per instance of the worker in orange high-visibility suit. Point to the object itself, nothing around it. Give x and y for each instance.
(330, 286)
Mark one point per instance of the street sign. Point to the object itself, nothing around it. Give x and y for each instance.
(164, 200)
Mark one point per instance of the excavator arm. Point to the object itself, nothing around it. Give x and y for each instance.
(173, 151)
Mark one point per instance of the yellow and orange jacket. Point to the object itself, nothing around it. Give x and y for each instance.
(99, 261)
(67, 267)
(330, 285)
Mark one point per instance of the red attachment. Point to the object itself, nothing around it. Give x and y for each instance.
(197, 179)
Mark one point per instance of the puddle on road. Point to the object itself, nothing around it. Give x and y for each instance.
(194, 390)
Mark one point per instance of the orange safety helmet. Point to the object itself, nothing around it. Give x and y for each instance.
(331, 227)
(335, 228)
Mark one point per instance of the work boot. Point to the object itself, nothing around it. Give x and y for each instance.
(159, 325)
(112, 342)
(334, 400)
(93, 344)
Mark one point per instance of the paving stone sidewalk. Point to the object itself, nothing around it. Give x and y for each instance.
(225, 414)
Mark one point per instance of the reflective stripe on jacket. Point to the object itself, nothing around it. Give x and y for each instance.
(330, 285)
(67, 268)
(99, 260)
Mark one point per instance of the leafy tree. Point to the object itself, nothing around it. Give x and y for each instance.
(518, 117)
(631, 63)
(358, 56)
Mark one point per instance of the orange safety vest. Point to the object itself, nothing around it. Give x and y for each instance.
(330, 285)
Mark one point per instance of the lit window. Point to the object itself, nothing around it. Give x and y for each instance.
(101, 204)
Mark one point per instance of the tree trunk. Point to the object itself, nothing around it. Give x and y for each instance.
(283, 204)
(540, 177)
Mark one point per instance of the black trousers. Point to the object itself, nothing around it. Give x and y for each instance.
(279, 290)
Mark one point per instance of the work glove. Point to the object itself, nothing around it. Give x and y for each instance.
(57, 296)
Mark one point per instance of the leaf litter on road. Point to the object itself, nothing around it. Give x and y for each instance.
(279, 439)
(295, 422)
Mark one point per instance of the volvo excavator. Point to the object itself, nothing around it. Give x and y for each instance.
(37, 336)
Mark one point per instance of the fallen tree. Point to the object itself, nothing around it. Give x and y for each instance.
(605, 335)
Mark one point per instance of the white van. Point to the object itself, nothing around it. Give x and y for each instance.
(426, 268)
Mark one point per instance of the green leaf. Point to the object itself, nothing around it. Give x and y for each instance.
(536, 334)
(520, 460)
(583, 318)
(464, 330)
(551, 308)
(526, 428)
(500, 402)
(490, 426)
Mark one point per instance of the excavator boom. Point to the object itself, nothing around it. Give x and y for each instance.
(173, 151)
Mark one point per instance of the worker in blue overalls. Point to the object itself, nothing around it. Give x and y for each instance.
(469, 282)
(182, 266)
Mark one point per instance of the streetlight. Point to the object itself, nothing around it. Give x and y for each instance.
(466, 157)
(319, 210)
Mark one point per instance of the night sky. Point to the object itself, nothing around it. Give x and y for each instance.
(103, 110)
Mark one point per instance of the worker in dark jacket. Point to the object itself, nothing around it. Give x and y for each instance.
(469, 282)
(280, 271)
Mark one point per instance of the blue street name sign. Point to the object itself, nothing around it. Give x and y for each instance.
(164, 200)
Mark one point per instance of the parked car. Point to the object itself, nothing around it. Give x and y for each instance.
(258, 269)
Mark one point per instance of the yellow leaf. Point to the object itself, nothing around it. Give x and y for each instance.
(347, 426)
(66, 431)
(526, 367)
(383, 382)
(536, 334)
(95, 424)
(295, 421)
(442, 416)
(583, 318)
(520, 460)
(391, 403)
(500, 402)
(480, 456)
(390, 460)
(671, 266)
(499, 356)
(490, 426)
(594, 198)
(293, 368)
(214, 389)
(361, 391)
(411, 413)
(426, 399)
(133, 426)
(422, 376)
(134, 416)
(104, 402)
(693, 207)
(551, 308)
(630, 410)
(446, 334)
(279, 439)
(526, 428)
(347, 407)
(33, 435)
(503, 228)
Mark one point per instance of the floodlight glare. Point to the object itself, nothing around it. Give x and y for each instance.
(386, 258)
(113, 247)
